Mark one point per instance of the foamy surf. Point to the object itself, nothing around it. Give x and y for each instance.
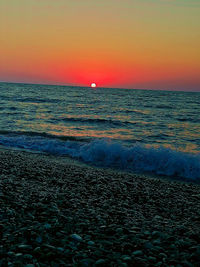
(105, 153)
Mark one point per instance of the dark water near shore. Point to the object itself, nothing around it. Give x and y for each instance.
(145, 130)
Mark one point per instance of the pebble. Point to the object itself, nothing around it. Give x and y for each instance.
(158, 264)
(38, 239)
(156, 242)
(123, 264)
(157, 217)
(68, 224)
(126, 258)
(100, 262)
(47, 226)
(152, 259)
(25, 247)
(18, 254)
(60, 249)
(137, 253)
(91, 243)
(156, 234)
(187, 264)
(10, 253)
(162, 255)
(76, 237)
(86, 262)
(28, 256)
(49, 246)
(147, 233)
(119, 230)
(37, 249)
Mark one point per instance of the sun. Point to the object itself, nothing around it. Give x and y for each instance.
(93, 85)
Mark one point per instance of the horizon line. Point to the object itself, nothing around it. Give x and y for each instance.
(123, 88)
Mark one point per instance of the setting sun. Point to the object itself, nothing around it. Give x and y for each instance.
(93, 85)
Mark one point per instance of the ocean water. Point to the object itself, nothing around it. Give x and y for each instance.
(135, 130)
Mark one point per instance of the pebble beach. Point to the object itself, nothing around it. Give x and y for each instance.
(58, 212)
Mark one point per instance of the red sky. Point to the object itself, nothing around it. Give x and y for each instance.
(151, 44)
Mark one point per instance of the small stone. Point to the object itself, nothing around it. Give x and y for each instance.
(157, 217)
(60, 249)
(195, 255)
(123, 264)
(106, 243)
(162, 255)
(141, 262)
(137, 253)
(86, 262)
(148, 245)
(87, 237)
(91, 243)
(119, 230)
(126, 258)
(152, 259)
(10, 253)
(18, 255)
(76, 238)
(182, 229)
(98, 253)
(25, 247)
(100, 262)
(39, 239)
(28, 256)
(156, 234)
(159, 264)
(49, 246)
(47, 226)
(37, 249)
(187, 264)
(147, 233)
(156, 242)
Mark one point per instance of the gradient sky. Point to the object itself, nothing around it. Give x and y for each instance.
(153, 44)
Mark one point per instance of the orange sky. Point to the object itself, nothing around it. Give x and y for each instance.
(115, 43)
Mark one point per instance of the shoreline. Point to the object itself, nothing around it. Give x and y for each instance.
(73, 161)
(55, 210)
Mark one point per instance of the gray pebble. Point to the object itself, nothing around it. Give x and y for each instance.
(76, 238)
(28, 256)
(91, 243)
(100, 262)
(137, 253)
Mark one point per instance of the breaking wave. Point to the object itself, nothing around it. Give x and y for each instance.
(104, 153)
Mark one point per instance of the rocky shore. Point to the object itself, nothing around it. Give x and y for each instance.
(55, 212)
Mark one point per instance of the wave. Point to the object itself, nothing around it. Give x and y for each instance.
(189, 119)
(30, 99)
(4, 135)
(164, 107)
(97, 121)
(104, 153)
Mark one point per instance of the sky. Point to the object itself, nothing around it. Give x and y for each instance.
(148, 44)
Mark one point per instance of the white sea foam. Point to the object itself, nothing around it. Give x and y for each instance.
(160, 161)
(139, 158)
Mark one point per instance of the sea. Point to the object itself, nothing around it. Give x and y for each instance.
(140, 131)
